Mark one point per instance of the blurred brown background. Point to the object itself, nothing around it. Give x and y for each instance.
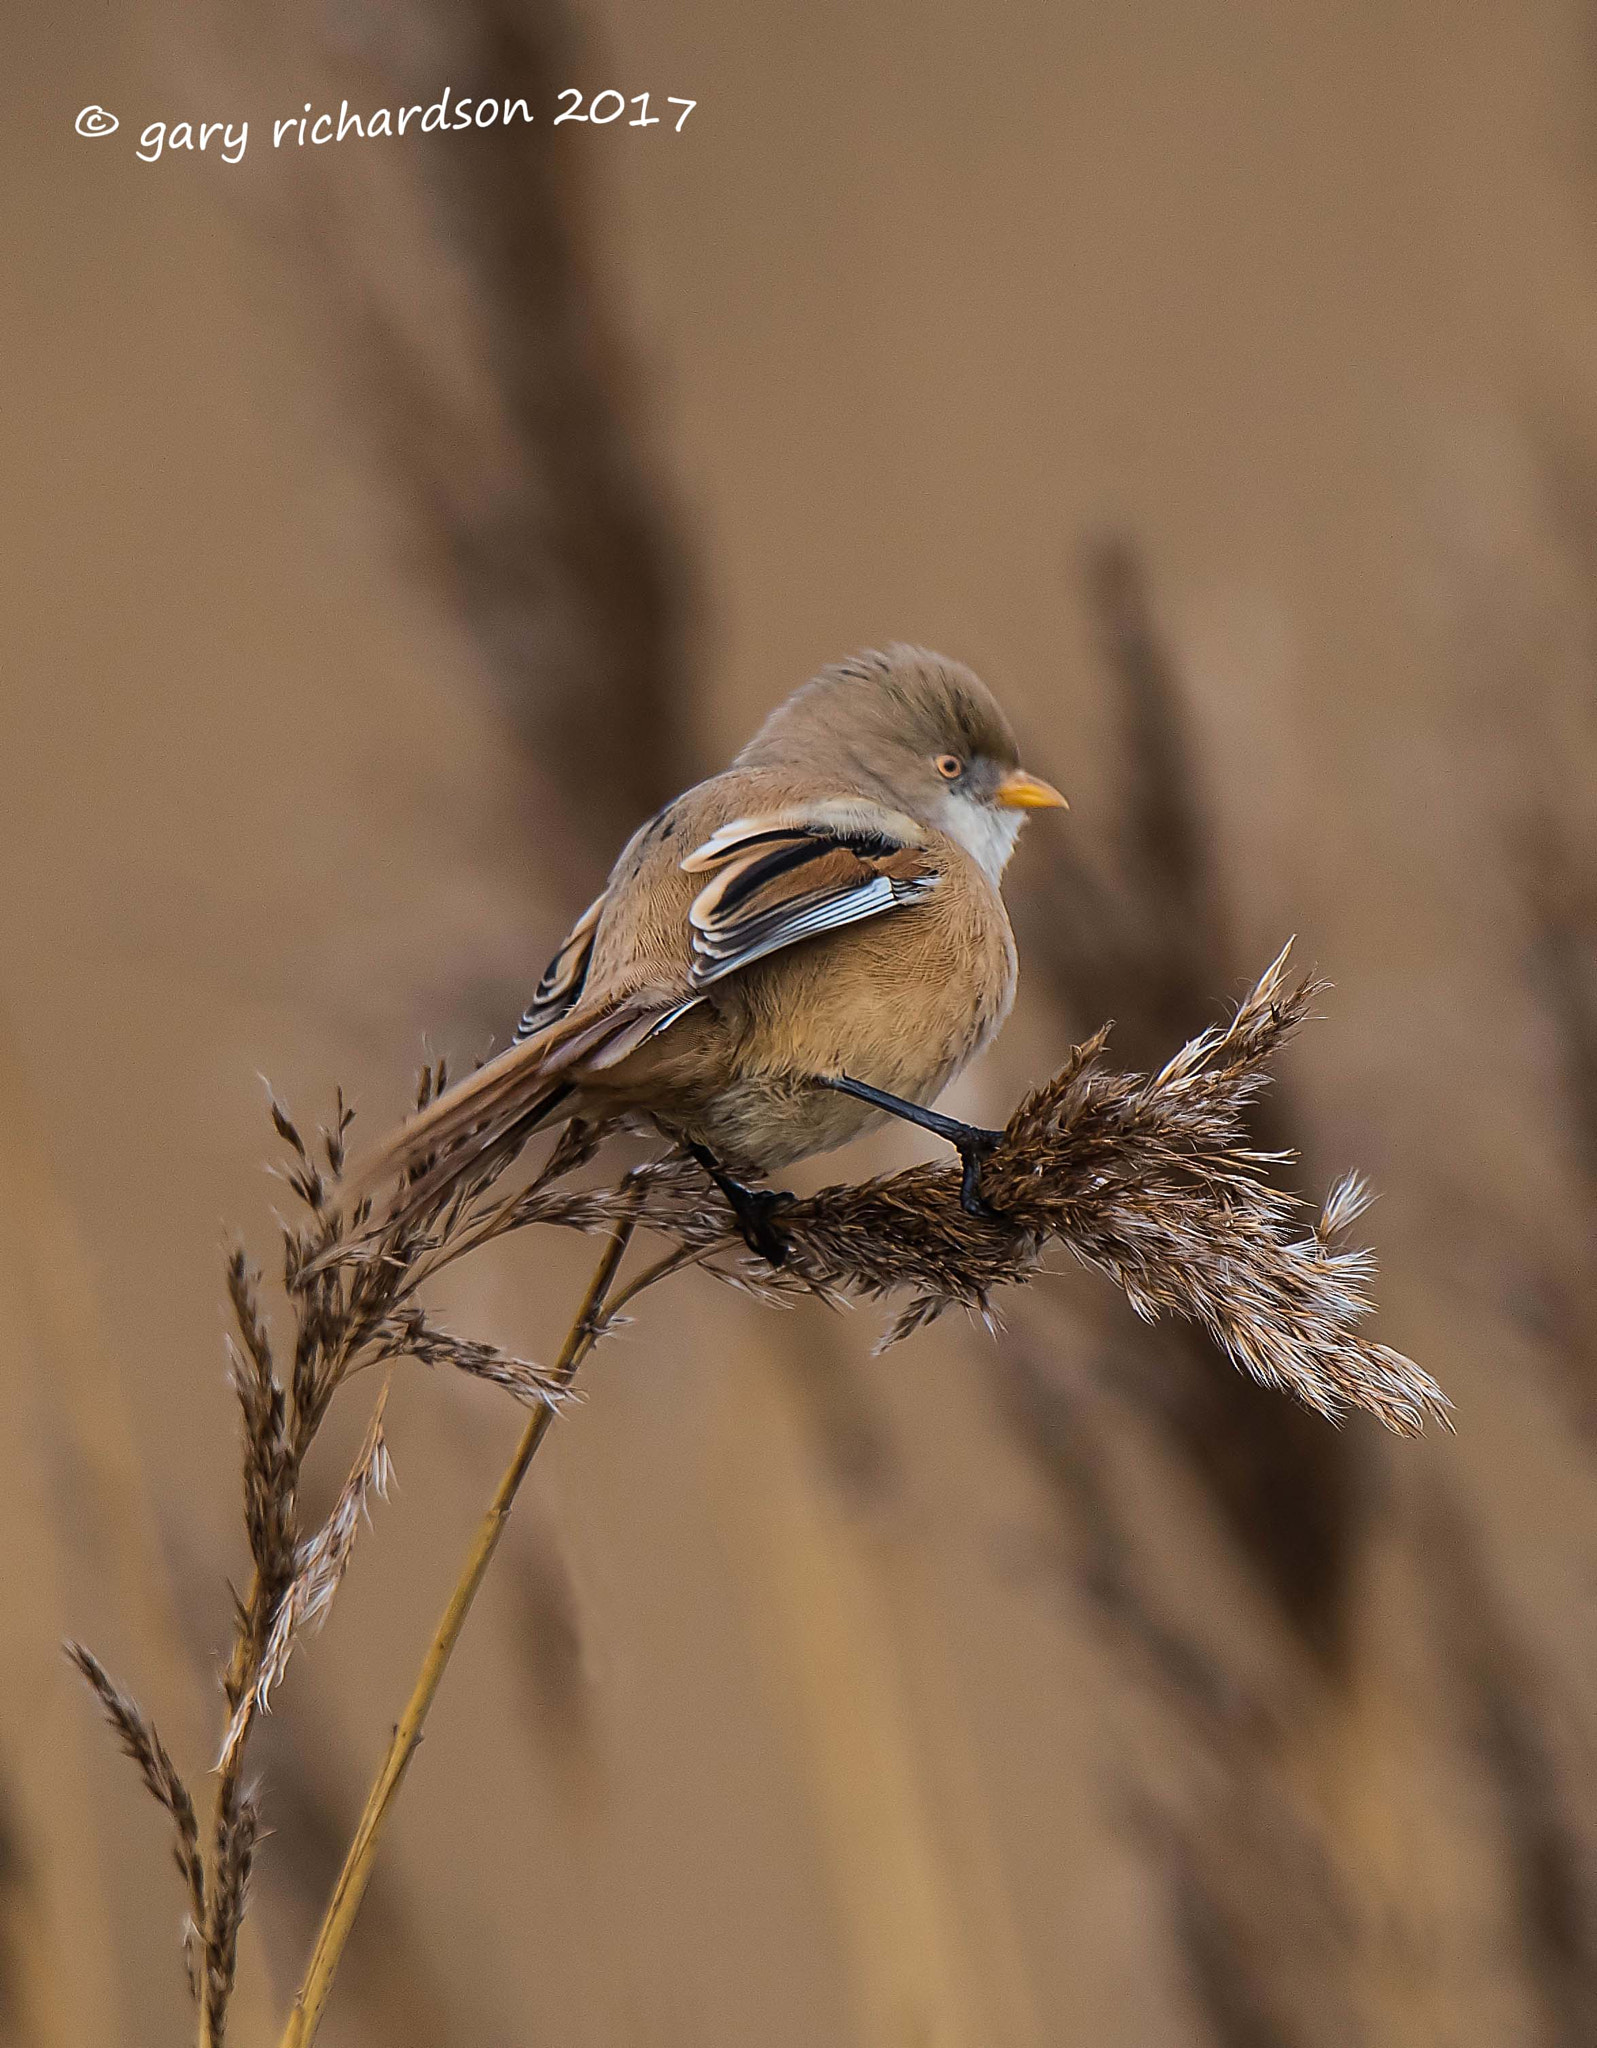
(388, 528)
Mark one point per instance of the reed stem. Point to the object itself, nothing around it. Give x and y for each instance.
(349, 1890)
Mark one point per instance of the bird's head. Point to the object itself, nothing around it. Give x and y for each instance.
(923, 733)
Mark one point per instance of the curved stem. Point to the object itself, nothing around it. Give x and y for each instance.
(350, 1889)
(673, 1262)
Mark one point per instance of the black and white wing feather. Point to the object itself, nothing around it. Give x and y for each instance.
(772, 883)
(564, 976)
(775, 885)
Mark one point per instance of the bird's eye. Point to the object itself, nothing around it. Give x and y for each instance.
(949, 766)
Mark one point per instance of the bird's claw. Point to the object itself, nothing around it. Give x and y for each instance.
(974, 1150)
(756, 1210)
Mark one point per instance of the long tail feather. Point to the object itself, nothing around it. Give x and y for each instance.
(498, 1094)
(497, 1108)
(494, 1146)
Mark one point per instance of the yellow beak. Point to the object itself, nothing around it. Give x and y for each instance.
(1022, 792)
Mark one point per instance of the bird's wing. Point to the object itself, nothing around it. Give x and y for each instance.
(774, 883)
(564, 976)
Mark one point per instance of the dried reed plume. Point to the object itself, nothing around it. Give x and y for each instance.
(1149, 1179)
(140, 1742)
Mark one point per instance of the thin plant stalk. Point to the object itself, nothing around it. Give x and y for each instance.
(350, 1889)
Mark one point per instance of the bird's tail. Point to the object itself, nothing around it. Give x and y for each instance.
(490, 1114)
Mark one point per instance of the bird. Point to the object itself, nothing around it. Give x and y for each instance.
(790, 953)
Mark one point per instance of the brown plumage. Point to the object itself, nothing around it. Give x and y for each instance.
(828, 907)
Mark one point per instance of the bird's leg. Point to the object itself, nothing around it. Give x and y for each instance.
(972, 1143)
(756, 1209)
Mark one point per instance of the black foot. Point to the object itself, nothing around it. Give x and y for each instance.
(974, 1151)
(756, 1209)
(972, 1143)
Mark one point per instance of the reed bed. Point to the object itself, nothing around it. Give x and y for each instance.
(1150, 1179)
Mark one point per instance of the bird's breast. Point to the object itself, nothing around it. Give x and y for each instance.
(901, 1002)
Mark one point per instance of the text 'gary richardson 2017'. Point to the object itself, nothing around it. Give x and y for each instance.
(311, 130)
